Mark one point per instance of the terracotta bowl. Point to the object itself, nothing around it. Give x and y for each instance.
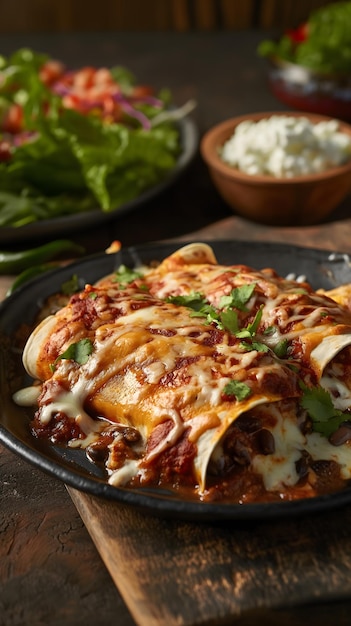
(298, 201)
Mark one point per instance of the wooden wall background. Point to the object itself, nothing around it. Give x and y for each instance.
(23, 16)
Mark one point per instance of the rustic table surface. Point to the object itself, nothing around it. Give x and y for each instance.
(68, 557)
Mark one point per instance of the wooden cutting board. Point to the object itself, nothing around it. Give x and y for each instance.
(174, 573)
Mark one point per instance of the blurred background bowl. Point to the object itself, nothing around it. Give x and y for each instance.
(298, 201)
(306, 90)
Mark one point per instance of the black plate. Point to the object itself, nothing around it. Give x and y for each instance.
(189, 143)
(322, 268)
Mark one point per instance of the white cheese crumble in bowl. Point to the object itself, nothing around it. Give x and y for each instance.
(280, 168)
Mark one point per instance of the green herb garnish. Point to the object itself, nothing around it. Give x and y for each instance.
(195, 301)
(70, 286)
(229, 320)
(124, 276)
(254, 345)
(211, 315)
(238, 298)
(78, 352)
(239, 390)
(326, 419)
(281, 349)
(249, 332)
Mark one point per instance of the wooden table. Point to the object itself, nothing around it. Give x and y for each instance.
(140, 569)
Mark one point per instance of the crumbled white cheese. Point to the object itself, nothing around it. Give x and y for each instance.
(284, 146)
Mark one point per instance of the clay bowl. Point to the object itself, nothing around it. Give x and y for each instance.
(298, 201)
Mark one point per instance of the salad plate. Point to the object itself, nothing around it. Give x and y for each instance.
(188, 136)
(322, 268)
(81, 146)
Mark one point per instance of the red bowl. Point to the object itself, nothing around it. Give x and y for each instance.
(305, 90)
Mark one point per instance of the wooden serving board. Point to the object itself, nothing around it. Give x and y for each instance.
(173, 573)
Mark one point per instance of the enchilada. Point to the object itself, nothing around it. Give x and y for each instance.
(201, 378)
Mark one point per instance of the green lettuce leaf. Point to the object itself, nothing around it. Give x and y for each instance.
(74, 162)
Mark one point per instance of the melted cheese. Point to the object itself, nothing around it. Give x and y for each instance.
(278, 469)
(28, 396)
(124, 474)
(320, 449)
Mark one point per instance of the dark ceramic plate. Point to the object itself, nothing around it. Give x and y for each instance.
(68, 224)
(322, 269)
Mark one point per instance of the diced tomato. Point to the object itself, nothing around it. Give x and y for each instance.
(103, 76)
(13, 119)
(5, 151)
(72, 101)
(84, 78)
(298, 34)
(51, 72)
(108, 104)
(99, 92)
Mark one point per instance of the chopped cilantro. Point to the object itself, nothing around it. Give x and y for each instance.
(229, 319)
(238, 297)
(281, 349)
(243, 334)
(211, 314)
(240, 390)
(224, 320)
(300, 290)
(270, 330)
(195, 301)
(251, 329)
(253, 326)
(78, 352)
(326, 419)
(70, 286)
(124, 275)
(254, 345)
(249, 332)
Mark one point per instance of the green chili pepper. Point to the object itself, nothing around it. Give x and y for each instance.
(14, 262)
(28, 274)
